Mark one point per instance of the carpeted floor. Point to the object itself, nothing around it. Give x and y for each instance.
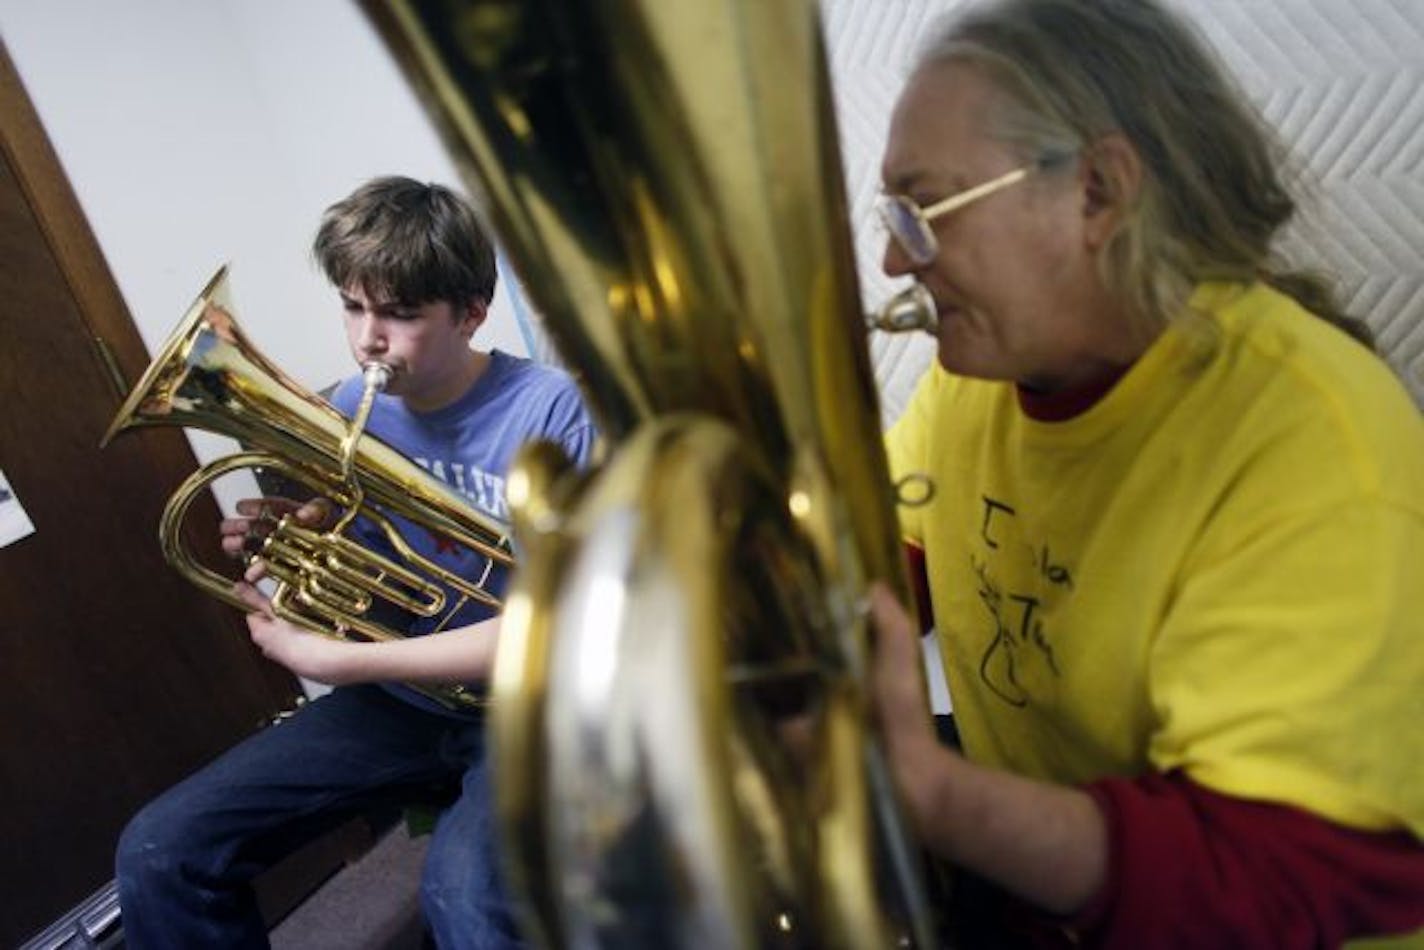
(371, 904)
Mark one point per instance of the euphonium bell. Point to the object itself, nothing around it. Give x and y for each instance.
(209, 376)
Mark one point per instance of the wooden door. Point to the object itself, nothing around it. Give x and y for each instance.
(116, 676)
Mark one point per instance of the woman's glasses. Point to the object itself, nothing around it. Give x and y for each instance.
(909, 224)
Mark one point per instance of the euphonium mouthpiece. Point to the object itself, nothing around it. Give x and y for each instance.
(376, 376)
(911, 309)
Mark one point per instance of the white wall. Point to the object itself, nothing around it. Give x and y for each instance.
(198, 132)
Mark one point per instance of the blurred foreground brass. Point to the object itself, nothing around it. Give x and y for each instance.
(683, 751)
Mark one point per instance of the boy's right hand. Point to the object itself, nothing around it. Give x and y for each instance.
(243, 534)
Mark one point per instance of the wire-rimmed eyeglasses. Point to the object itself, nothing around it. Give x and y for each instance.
(909, 224)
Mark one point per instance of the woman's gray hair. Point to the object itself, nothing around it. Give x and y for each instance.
(1213, 194)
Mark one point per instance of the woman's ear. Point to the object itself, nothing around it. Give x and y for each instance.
(1112, 180)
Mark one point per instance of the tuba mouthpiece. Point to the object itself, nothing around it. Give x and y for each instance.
(911, 309)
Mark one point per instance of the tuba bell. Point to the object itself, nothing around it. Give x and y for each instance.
(208, 375)
(683, 751)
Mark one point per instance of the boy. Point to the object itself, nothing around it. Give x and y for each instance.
(415, 274)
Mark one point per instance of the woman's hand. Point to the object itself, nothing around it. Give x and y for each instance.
(901, 702)
(1046, 843)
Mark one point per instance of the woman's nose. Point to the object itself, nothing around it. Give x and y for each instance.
(895, 262)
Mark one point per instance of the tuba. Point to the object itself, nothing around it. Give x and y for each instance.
(683, 749)
(209, 376)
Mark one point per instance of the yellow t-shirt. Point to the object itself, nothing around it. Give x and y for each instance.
(1218, 567)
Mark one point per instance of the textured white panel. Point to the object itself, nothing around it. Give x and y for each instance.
(1341, 80)
(871, 44)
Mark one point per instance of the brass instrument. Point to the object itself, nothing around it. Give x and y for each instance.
(909, 311)
(209, 376)
(683, 751)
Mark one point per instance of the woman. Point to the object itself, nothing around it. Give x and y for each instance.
(1174, 554)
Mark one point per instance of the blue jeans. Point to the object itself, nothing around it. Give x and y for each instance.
(186, 860)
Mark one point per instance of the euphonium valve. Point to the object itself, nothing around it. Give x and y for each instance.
(209, 376)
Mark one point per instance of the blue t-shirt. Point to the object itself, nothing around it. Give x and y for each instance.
(469, 445)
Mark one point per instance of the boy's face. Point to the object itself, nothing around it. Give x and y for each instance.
(426, 345)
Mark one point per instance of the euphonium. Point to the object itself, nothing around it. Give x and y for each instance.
(209, 376)
(683, 749)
